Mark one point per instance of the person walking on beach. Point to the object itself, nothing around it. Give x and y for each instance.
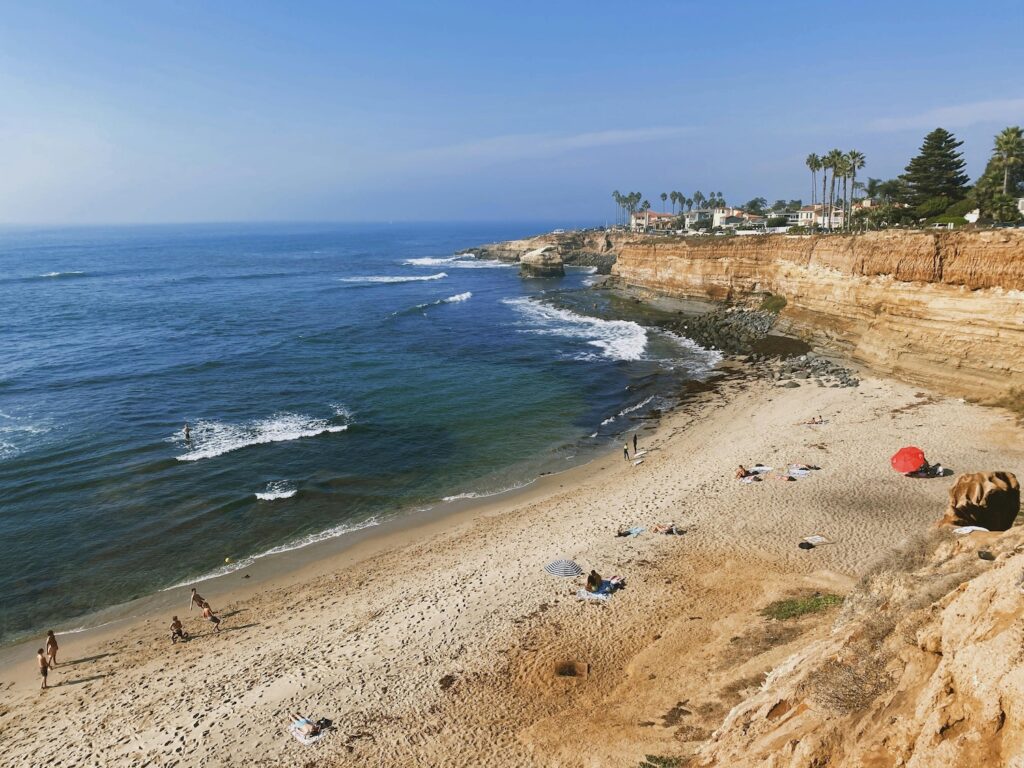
(208, 615)
(44, 666)
(51, 649)
(625, 451)
(197, 600)
(634, 443)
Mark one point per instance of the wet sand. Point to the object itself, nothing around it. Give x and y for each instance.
(447, 644)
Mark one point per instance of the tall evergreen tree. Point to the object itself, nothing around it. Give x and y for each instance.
(938, 169)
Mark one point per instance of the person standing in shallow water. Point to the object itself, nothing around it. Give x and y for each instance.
(625, 451)
(187, 432)
(51, 649)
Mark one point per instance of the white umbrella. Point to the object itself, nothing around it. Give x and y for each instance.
(564, 568)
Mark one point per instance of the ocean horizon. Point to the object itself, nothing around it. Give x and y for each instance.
(333, 376)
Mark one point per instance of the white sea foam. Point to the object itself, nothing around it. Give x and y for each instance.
(458, 297)
(702, 360)
(62, 274)
(481, 264)
(213, 438)
(624, 411)
(428, 261)
(304, 541)
(278, 489)
(393, 278)
(617, 339)
(486, 494)
(16, 435)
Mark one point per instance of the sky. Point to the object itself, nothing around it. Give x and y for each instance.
(128, 112)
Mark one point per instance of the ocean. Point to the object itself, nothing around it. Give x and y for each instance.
(333, 376)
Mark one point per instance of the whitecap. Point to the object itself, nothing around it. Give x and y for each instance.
(393, 278)
(626, 410)
(62, 274)
(617, 339)
(428, 261)
(278, 489)
(213, 438)
(458, 297)
(482, 264)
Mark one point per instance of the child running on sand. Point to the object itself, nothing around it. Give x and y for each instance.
(177, 632)
(197, 600)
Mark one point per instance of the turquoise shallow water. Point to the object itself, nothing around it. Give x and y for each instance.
(332, 376)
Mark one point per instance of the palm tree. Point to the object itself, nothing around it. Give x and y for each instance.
(664, 197)
(698, 199)
(855, 161)
(834, 160)
(813, 162)
(1010, 150)
(618, 201)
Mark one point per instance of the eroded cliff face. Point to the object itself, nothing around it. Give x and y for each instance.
(590, 248)
(944, 310)
(922, 669)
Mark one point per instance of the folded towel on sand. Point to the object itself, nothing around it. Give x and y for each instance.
(965, 529)
(759, 469)
(594, 597)
(636, 530)
(303, 738)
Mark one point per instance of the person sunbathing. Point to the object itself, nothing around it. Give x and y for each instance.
(305, 726)
(742, 472)
(669, 529)
(594, 581)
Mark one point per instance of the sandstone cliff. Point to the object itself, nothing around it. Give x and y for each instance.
(944, 310)
(922, 669)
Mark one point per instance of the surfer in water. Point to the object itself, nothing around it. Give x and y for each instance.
(187, 432)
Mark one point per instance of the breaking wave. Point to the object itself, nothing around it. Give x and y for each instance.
(375, 279)
(279, 489)
(214, 438)
(617, 339)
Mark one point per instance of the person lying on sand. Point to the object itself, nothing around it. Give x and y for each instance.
(669, 529)
(305, 726)
(742, 472)
(813, 420)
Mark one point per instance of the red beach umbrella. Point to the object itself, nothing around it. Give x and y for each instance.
(909, 459)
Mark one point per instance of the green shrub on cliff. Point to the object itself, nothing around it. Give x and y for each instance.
(772, 303)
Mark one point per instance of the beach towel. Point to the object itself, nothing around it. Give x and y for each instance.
(750, 479)
(301, 737)
(965, 529)
(814, 540)
(593, 597)
(798, 472)
(635, 531)
(759, 469)
(638, 462)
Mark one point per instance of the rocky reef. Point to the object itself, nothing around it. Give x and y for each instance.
(542, 262)
(943, 309)
(589, 248)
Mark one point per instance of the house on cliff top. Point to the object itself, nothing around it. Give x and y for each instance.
(651, 221)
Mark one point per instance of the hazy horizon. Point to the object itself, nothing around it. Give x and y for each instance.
(190, 113)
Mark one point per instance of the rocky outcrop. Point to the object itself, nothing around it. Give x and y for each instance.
(542, 262)
(590, 248)
(922, 669)
(988, 499)
(942, 309)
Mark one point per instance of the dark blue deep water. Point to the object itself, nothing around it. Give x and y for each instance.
(332, 376)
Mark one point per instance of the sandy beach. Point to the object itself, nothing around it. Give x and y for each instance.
(448, 645)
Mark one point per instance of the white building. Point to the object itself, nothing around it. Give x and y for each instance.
(647, 221)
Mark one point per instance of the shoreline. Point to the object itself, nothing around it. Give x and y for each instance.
(435, 644)
(278, 561)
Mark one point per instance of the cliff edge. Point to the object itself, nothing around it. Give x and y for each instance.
(943, 309)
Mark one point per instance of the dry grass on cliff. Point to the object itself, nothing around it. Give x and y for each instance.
(1013, 401)
(881, 615)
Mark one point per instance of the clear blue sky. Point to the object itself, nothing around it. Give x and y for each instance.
(225, 111)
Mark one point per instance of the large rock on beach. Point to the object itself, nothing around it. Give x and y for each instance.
(988, 499)
(542, 262)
